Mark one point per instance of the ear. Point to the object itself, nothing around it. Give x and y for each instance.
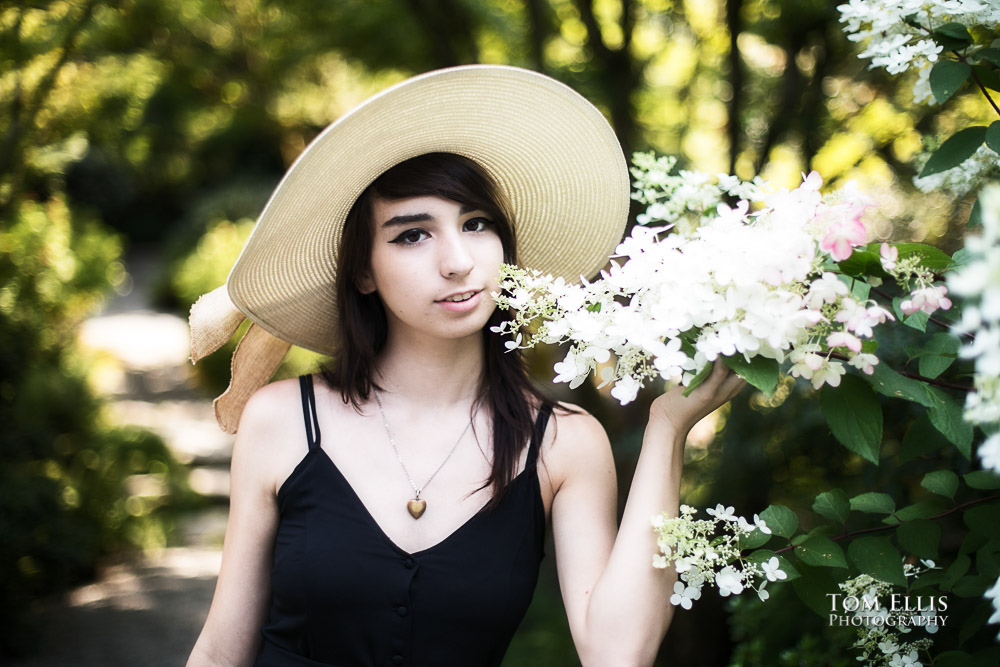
(365, 284)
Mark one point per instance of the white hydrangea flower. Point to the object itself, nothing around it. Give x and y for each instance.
(714, 280)
(772, 569)
(729, 582)
(684, 594)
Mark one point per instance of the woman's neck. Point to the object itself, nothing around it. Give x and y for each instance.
(432, 373)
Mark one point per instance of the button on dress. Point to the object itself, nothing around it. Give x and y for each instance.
(344, 595)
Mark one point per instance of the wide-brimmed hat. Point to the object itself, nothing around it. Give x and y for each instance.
(550, 151)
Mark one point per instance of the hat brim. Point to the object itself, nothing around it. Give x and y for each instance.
(549, 149)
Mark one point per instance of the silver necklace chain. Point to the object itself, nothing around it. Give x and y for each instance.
(395, 449)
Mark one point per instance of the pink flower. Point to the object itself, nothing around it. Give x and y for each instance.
(864, 362)
(844, 339)
(889, 256)
(843, 234)
(927, 299)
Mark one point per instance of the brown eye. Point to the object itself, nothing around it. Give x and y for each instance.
(410, 237)
(476, 225)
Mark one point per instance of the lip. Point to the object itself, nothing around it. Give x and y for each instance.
(461, 306)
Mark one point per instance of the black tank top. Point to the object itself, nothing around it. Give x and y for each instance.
(343, 594)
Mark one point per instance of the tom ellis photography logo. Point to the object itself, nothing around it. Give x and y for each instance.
(895, 610)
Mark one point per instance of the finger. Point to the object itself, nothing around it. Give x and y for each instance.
(733, 385)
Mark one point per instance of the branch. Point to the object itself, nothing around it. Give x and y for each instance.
(876, 529)
(944, 325)
(917, 376)
(974, 76)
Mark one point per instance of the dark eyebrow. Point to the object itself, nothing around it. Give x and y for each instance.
(400, 220)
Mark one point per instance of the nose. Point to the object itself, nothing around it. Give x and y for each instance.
(456, 259)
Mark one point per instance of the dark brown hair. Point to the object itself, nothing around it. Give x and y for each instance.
(506, 390)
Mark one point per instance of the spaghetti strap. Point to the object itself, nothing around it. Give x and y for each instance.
(538, 432)
(309, 411)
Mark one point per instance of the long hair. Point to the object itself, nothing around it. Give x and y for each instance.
(505, 387)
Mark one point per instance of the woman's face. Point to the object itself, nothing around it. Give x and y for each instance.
(434, 264)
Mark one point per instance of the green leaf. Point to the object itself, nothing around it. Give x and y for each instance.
(761, 372)
(921, 438)
(942, 482)
(947, 76)
(699, 378)
(955, 571)
(832, 504)
(993, 138)
(984, 519)
(781, 520)
(988, 55)
(973, 622)
(917, 320)
(962, 256)
(987, 76)
(953, 659)
(972, 586)
(920, 538)
(975, 217)
(754, 540)
(984, 480)
(918, 510)
(813, 587)
(860, 290)
(948, 417)
(854, 416)
(955, 150)
(764, 555)
(822, 552)
(876, 557)
(972, 542)
(873, 503)
(952, 36)
(862, 262)
(986, 562)
(940, 353)
(932, 578)
(890, 383)
(933, 258)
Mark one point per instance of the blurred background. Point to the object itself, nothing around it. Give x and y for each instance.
(139, 139)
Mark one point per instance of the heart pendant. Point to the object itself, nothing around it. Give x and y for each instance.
(416, 508)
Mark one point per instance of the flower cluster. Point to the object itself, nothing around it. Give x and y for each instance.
(702, 556)
(898, 32)
(882, 644)
(962, 179)
(979, 282)
(717, 280)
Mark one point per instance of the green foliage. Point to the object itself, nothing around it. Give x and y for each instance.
(955, 150)
(947, 76)
(832, 505)
(63, 495)
(854, 415)
(760, 372)
(781, 520)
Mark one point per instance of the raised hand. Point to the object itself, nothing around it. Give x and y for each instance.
(682, 412)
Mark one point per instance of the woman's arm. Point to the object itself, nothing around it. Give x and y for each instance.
(231, 635)
(617, 603)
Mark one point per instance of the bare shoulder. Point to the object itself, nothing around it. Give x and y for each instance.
(576, 443)
(271, 439)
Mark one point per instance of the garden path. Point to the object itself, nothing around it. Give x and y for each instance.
(147, 611)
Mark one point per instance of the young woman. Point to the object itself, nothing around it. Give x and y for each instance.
(393, 510)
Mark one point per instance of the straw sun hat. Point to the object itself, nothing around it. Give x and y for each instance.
(548, 149)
